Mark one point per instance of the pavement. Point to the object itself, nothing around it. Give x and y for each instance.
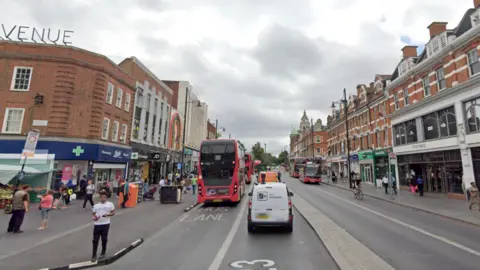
(216, 237)
(68, 236)
(403, 237)
(433, 203)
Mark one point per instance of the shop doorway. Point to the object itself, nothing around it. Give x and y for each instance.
(369, 174)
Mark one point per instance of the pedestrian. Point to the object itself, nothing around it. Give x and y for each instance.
(162, 182)
(46, 205)
(70, 188)
(194, 184)
(394, 184)
(101, 214)
(385, 183)
(420, 185)
(20, 205)
(63, 195)
(89, 191)
(125, 191)
(413, 183)
(474, 196)
(83, 185)
(334, 177)
(145, 185)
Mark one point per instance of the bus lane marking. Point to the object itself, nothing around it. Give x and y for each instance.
(207, 213)
(217, 261)
(265, 264)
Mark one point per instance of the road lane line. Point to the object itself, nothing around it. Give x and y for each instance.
(228, 241)
(438, 237)
(347, 251)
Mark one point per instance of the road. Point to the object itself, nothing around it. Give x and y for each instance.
(403, 237)
(216, 237)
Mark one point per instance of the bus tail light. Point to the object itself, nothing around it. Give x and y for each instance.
(199, 189)
(235, 189)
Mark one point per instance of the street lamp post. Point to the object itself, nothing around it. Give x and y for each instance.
(184, 129)
(345, 107)
(216, 129)
(313, 145)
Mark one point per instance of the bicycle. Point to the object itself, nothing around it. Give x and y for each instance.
(358, 194)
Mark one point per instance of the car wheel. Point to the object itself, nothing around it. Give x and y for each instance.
(251, 228)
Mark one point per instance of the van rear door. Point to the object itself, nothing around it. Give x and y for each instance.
(270, 205)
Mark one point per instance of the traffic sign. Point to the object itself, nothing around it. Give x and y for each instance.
(31, 143)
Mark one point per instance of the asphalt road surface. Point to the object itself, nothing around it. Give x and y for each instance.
(403, 237)
(216, 237)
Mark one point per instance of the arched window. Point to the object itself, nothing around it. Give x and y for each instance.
(430, 126)
(400, 134)
(448, 122)
(472, 108)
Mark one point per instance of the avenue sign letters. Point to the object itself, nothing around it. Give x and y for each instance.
(35, 34)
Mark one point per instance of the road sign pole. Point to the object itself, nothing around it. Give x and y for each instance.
(22, 173)
(29, 148)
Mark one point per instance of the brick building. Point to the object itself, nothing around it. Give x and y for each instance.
(310, 140)
(368, 125)
(80, 101)
(433, 99)
(211, 131)
(427, 109)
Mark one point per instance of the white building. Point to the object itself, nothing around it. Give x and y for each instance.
(196, 122)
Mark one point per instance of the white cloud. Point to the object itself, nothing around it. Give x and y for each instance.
(258, 63)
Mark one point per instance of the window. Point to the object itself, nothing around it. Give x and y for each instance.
(318, 139)
(123, 135)
(377, 134)
(440, 79)
(405, 96)
(448, 122)
(473, 63)
(369, 137)
(471, 108)
(426, 86)
(385, 136)
(115, 131)
(147, 105)
(430, 126)
(128, 99)
(395, 100)
(13, 120)
(411, 131)
(136, 123)
(22, 76)
(106, 125)
(110, 93)
(400, 134)
(118, 102)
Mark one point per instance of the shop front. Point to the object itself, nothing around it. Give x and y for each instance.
(354, 163)
(72, 160)
(366, 161)
(476, 164)
(148, 162)
(441, 171)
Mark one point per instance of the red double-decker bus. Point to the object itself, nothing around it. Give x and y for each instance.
(221, 170)
(249, 167)
(296, 164)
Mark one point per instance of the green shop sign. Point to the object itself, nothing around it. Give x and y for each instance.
(383, 152)
(365, 155)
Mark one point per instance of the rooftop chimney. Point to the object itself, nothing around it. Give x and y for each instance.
(437, 28)
(409, 51)
(476, 3)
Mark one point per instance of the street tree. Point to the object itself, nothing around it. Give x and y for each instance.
(283, 157)
(258, 152)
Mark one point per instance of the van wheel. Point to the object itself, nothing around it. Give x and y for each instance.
(251, 228)
(289, 228)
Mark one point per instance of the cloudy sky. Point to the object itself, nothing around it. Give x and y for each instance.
(257, 63)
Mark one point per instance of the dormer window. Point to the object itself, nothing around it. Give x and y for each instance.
(475, 17)
(405, 66)
(437, 43)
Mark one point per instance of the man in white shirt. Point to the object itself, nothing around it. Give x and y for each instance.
(162, 182)
(101, 214)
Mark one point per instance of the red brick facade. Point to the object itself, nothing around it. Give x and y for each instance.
(74, 84)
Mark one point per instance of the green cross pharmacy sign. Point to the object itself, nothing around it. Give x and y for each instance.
(78, 151)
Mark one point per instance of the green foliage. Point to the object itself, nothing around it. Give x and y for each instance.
(219, 135)
(283, 157)
(258, 152)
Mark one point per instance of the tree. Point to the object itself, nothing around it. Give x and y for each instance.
(219, 135)
(258, 152)
(283, 157)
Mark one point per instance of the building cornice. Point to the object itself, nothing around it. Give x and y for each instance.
(449, 92)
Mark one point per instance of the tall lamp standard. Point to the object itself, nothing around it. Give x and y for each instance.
(313, 145)
(199, 104)
(345, 107)
(216, 129)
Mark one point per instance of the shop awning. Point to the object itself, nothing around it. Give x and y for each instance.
(8, 172)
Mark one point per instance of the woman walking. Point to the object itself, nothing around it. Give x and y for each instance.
(90, 190)
(45, 206)
(474, 196)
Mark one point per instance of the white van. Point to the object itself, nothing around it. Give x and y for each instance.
(270, 205)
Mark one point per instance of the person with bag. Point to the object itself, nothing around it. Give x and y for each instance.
(45, 206)
(20, 204)
(89, 191)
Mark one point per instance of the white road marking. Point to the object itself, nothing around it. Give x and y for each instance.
(438, 237)
(228, 241)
